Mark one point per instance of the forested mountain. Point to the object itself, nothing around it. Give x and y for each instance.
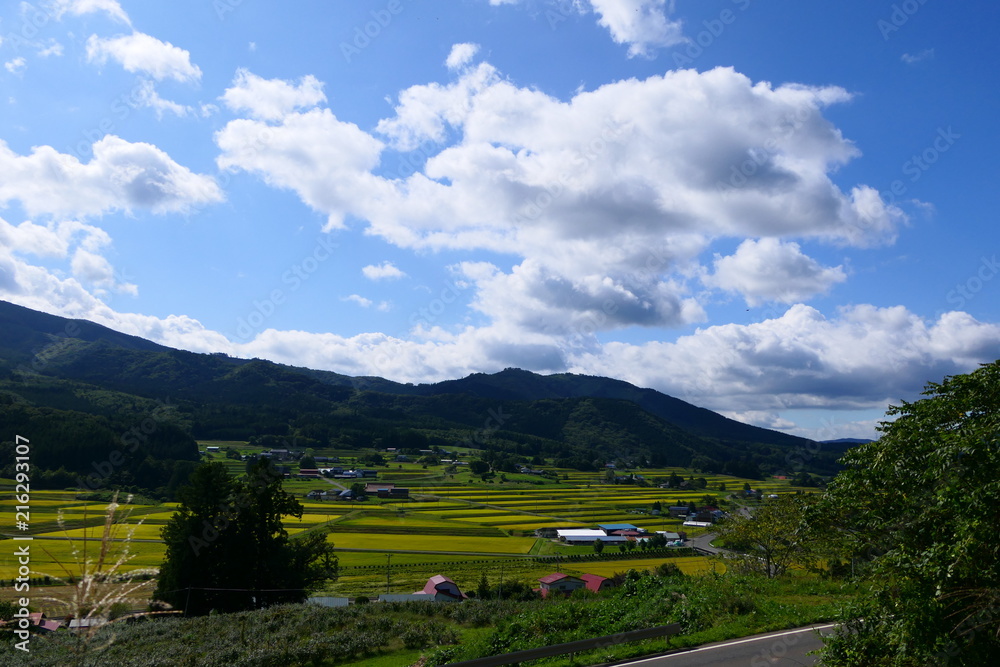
(80, 390)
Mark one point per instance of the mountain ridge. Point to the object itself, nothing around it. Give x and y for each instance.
(577, 419)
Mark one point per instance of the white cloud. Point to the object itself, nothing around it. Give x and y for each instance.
(382, 306)
(80, 7)
(863, 358)
(762, 418)
(461, 55)
(384, 271)
(769, 270)
(16, 66)
(609, 198)
(96, 270)
(642, 24)
(53, 239)
(914, 58)
(271, 99)
(146, 95)
(119, 176)
(358, 299)
(53, 49)
(534, 298)
(140, 52)
(327, 162)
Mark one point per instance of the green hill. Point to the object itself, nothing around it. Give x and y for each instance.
(80, 388)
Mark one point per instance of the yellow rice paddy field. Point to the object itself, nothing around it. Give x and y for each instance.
(456, 524)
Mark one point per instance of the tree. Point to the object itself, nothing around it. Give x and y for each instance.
(226, 547)
(373, 459)
(916, 512)
(478, 467)
(773, 538)
(598, 546)
(483, 590)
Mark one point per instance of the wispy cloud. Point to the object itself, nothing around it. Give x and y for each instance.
(914, 58)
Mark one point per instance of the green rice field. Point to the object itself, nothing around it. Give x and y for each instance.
(465, 529)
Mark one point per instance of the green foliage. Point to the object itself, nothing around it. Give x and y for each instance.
(917, 513)
(228, 550)
(7, 610)
(776, 536)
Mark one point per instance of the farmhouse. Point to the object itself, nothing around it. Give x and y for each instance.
(557, 582)
(37, 619)
(308, 473)
(596, 582)
(442, 589)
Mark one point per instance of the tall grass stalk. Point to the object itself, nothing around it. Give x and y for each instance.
(100, 587)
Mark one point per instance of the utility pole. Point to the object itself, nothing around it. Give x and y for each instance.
(500, 587)
(388, 560)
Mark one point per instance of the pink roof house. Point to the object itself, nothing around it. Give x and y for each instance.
(442, 588)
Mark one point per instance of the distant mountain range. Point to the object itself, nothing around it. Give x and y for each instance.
(84, 386)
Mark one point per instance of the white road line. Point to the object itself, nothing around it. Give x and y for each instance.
(733, 643)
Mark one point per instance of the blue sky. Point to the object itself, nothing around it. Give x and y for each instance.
(782, 211)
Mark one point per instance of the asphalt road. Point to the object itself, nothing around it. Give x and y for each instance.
(787, 648)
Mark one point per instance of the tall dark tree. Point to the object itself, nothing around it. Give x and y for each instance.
(228, 550)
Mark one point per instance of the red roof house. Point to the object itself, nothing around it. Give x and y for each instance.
(442, 588)
(596, 583)
(557, 582)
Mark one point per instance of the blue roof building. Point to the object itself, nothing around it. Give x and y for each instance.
(608, 527)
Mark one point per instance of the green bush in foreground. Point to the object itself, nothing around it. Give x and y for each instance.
(708, 607)
(918, 515)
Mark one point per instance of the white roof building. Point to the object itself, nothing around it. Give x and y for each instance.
(581, 535)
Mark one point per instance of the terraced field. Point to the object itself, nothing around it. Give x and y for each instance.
(465, 528)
